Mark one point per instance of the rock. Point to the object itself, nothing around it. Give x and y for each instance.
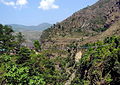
(78, 56)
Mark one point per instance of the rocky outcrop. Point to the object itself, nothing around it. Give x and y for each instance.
(78, 56)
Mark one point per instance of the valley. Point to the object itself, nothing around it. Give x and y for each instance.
(83, 49)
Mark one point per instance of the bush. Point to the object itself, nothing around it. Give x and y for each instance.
(20, 75)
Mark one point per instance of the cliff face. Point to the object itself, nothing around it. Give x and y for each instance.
(89, 22)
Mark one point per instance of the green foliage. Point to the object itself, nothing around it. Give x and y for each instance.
(48, 68)
(9, 42)
(21, 75)
(24, 66)
(20, 39)
(100, 29)
(37, 70)
(101, 63)
(6, 38)
(24, 54)
(37, 45)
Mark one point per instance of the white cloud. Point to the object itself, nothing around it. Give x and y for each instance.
(14, 3)
(48, 4)
(21, 2)
(10, 3)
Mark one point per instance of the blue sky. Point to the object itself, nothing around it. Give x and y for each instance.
(34, 12)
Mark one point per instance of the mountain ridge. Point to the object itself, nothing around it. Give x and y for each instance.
(86, 23)
(40, 27)
(30, 33)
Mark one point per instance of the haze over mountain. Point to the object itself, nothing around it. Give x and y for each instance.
(30, 33)
(40, 27)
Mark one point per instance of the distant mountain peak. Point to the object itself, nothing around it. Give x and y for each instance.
(40, 27)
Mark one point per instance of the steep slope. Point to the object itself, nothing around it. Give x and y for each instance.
(92, 22)
(113, 30)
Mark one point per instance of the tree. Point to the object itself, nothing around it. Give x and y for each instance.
(22, 75)
(7, 40)
(20, 38)
(37, 45)
(24, 54)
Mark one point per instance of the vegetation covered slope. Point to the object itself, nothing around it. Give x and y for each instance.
(19, 65)
(100, 65)
(91, 21)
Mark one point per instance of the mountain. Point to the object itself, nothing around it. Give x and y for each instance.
(30, 33)
(39, 27)
(90, 24)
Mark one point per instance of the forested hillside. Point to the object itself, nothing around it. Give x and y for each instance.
(19, 65)
(100, 64)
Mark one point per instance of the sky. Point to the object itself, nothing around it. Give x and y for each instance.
(34, 12)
